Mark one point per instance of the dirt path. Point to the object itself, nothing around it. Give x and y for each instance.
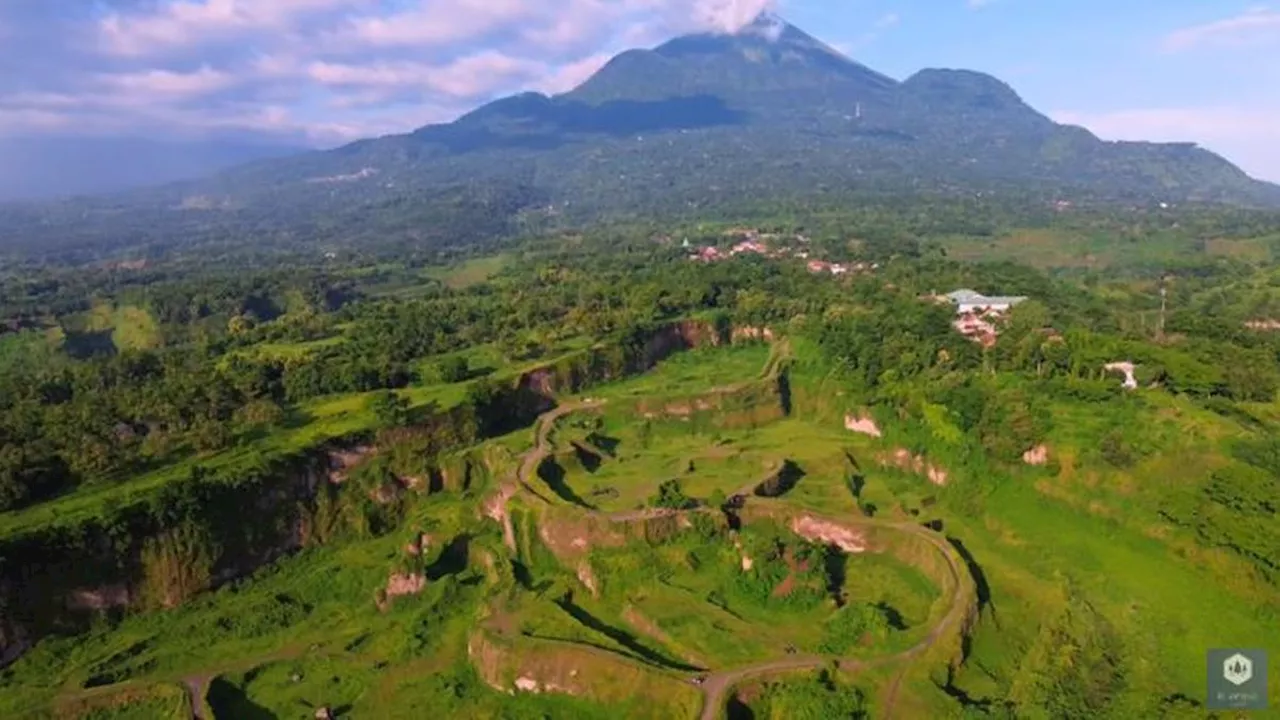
(197, 686)
(496, 507)
(716, 685)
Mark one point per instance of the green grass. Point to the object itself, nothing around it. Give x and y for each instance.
(1060, 249)
(703, 601)
(314, 611)
(469, 273)
(725, 460)
(314, 422)
(696, 371)
(1083, 538)
(319, 420)
(290, 351)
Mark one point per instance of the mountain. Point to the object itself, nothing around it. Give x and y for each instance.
(45, 167)
(701, 122)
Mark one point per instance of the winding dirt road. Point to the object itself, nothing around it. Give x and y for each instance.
(717, 684)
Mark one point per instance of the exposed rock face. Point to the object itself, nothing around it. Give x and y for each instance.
(1269, 324)
(103, 598)
(525, 684)
(1126, 368)
(418, 545)
(405, 584)
(748, 332)
(937, 475)
(387, 493)
(863, 424)
(588, 578)
(829, 533)
(341, 461)
(496, 509)
(541, 381)
(14, 641)
(1038, 455)
(904, 460)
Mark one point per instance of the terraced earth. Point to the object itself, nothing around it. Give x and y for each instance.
(957, 606)
(708, 539)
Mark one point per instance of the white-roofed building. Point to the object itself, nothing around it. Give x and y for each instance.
(967, 301)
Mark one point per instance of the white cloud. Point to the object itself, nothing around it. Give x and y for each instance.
(1255, 25)
(182, 23)
(728, 15)
(439, 22)
(571, 75)
(467, 77)
(338, 62)
(166, 83)
(1250, 137)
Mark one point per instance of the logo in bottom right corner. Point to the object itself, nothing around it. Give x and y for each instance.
(1237, 679)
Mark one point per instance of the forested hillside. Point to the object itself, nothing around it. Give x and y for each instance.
(702, 125)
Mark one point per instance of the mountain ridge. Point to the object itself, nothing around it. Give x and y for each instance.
(703, 119)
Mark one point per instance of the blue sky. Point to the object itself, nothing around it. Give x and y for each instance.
(326, 71)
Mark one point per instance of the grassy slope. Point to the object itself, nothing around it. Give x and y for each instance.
(469, 273)
(1089, 527)
(313, 423)
(1060, 249)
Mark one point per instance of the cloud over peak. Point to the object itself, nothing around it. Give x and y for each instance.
(329, 70)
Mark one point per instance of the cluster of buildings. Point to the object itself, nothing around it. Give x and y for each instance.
(822, 266)
(977, 315)
(756, 243)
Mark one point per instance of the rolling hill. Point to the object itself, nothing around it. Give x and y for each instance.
(700, 123)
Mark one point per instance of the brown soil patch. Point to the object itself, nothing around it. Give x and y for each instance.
(503, 623)
(785, 587)
(788, 585)
(748, 694)
(646, 626)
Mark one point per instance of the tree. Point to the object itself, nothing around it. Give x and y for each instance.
(452, 369)
(671, 496)
(389, 408)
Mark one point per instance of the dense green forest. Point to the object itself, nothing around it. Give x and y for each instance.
(178, 384)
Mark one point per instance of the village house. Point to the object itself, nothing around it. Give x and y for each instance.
(749, 246)
(967, 301)
(707, 254)
(976, 314)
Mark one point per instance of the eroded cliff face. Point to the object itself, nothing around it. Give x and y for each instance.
(197, 534)
(155, 553)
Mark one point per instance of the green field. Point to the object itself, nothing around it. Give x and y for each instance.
(471, 272)
(868, 516)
